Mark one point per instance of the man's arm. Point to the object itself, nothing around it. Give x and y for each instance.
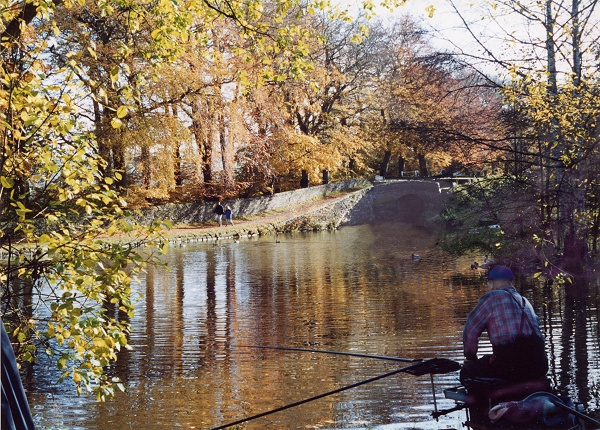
(476, 323)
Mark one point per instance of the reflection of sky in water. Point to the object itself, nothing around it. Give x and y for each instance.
(355, 290)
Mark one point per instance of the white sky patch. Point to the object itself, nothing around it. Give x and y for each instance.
(447, 29)
(490, 36)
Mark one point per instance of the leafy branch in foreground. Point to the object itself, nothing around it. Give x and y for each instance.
(74, 82)
(68, 250)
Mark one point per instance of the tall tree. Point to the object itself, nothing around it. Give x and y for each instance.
(77, 127)
(552, 87)
(427, 107)
(324, 106)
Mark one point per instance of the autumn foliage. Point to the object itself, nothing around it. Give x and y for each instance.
(111, 104)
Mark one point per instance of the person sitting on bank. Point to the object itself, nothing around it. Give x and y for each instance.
(513, 329)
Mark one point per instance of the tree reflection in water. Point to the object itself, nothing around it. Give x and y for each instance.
(356, 289)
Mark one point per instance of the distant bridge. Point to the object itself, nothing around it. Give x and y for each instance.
(416, 202)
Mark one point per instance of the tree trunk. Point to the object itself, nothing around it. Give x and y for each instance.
(177, 167)
(146, 168)
(423, 172)
(119, 164)
(207, 173)
(203, 140)
(578, 181)
(112, 154)
(384, 163)
(103, 149)
(304, 181)
(576, 41)
(351, 166)
(575, 249)
(401, 163)
(226, 149)
(554, 136)
(595, 230)
(551, 48)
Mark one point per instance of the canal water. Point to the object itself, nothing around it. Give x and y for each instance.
(357, 289)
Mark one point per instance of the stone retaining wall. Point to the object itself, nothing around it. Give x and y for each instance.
(198, 213)
(325, 216)
(416, 202)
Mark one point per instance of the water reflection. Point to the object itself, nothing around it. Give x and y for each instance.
(356, 289)
(577, 350)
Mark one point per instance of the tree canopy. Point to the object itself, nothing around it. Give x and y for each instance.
(99, 100)
(547, 145)
(108, 105)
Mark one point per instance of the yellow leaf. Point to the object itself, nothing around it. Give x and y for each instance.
(114, 74)
(122, 112)
(92, 53)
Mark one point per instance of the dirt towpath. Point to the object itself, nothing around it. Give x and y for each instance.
(265, 223)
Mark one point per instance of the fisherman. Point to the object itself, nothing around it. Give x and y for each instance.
(512, 327)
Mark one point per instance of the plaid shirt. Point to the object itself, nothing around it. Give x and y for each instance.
(500, 314)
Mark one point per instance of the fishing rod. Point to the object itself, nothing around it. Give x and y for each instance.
(310, 399)
(578, 414)
(351, 354)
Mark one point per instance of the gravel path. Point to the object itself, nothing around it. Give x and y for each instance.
(265, 223)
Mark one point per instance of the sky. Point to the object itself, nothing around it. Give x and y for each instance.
(450, 33)
(507, 36)
(444, 20)
(448, 30)
(503, 36)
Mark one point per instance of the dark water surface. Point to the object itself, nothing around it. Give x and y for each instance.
(353, 290)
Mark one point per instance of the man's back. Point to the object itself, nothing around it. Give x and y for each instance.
(500, 312)
(512, 326)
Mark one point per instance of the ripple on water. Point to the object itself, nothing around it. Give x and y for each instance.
(356, 289)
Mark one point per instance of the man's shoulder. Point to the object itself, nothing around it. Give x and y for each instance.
(494, 294)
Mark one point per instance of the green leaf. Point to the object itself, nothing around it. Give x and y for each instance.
(114, 74)
(44, 238)
(7, 182)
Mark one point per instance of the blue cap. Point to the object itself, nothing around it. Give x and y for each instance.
(501, 272)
